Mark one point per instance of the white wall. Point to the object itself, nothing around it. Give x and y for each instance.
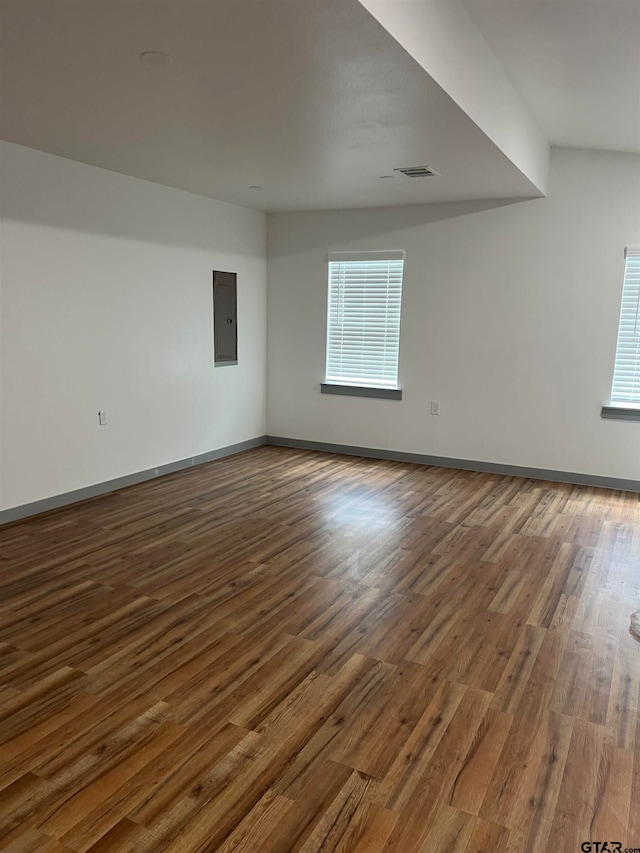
(106, 296)
(509, 318)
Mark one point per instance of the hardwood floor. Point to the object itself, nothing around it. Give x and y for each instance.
(292, 651)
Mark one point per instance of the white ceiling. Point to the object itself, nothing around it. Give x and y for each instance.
(313, 100)
(575, 63)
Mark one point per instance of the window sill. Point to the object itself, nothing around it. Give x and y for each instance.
(620, 413)
(361, 391)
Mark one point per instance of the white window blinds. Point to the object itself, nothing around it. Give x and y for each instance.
(363, 319)
(626, 374)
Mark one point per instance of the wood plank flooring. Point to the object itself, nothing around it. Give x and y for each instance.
(293, 651)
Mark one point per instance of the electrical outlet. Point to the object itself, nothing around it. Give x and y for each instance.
(102, 417)
(435, 407)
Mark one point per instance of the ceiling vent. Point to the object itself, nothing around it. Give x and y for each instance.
(417, 171)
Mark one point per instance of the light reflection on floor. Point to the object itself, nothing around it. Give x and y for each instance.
(357, 522)
(364, 508)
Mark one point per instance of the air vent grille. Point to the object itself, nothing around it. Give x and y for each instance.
(417, 171)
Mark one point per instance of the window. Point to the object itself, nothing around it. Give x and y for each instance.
(625, 392)
(363, 323)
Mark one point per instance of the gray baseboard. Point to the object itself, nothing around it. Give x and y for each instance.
(462, 464)
(57, 501)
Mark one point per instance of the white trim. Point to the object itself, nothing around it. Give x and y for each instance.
(366, 256)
